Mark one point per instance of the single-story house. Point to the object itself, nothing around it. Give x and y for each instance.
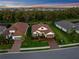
(2, 29)
(65, 26)
(77, 27)
(16, 31)
(39, 30)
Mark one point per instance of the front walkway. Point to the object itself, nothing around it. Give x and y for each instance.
(16, 46)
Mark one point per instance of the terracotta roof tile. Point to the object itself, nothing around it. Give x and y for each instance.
(19, 27)
(36, 26)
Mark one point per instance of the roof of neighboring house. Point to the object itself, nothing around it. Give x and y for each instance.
(36, 27)
(19, 27)
(65, 24)
(77, 26)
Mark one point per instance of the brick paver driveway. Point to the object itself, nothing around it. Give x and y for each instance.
(16, 46)
(52, 43)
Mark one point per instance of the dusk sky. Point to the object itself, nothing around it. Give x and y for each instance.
(33, 2)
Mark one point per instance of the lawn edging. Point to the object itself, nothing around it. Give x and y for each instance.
(69, 45)
(45, 47)
(35, 48)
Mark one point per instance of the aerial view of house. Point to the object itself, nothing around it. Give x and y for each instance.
(65, 26)
(42, 30)
(16, 31)
(39, 26)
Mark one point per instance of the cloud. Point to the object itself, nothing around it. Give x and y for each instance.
(11, 3)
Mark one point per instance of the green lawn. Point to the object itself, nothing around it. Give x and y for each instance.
(5, 46)
(61, 37)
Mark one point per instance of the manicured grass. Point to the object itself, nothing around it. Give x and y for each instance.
(61, 38)
(5, 46)
(34, 44)
(29, 42)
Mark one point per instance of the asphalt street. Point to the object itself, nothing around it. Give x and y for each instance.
(68, 53)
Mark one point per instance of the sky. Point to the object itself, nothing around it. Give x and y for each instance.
(34, 2)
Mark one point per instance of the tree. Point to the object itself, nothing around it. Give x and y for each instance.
(2, 40)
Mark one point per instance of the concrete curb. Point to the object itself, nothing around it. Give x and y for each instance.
(35, 48)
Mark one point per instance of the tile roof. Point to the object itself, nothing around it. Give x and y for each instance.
(65, 24)
(36, 26)
(19, 27)
(77, 26)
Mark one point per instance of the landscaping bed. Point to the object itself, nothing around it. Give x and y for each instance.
(6, 44)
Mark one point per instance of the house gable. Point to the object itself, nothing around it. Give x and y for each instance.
(50, 33)
(42, 28)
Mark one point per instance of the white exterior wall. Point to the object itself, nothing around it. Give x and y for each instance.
(12, 31)
(65, 30)
(77, 31)
(34, 35)
(58, 26)
(16, 37)
(50, 33)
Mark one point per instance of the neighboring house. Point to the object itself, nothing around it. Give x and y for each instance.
(77, 27)
(39, 30)
(16, 31)
(65, 26)
(2, 29)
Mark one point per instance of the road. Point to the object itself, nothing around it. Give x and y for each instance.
(68, 53)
